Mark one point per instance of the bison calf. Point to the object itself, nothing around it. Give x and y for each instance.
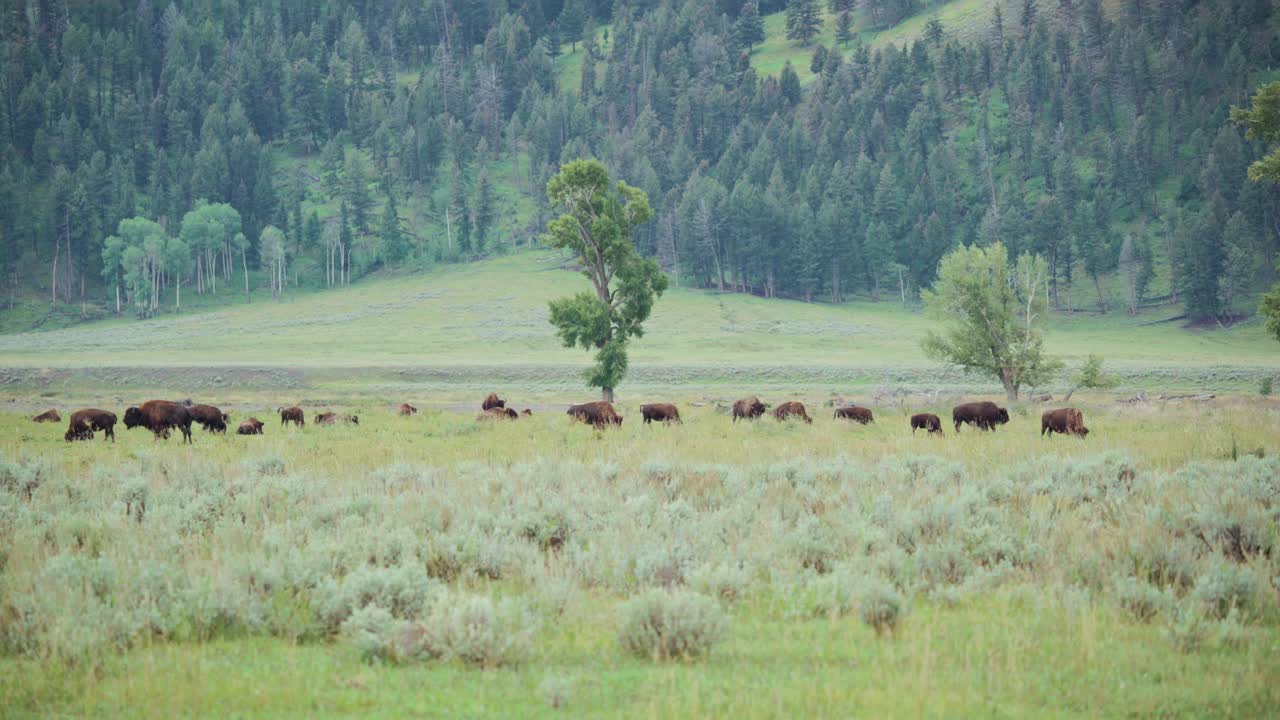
(748, 408)
(660, 412)
(407, 409)
(926, 421)
(855, 413)
(791, 409)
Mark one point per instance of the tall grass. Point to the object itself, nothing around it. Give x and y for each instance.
(438, 541)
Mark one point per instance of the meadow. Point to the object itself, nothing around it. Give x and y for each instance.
(437, 566)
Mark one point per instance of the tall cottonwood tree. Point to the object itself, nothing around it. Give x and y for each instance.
(994, 316)
(597, 223)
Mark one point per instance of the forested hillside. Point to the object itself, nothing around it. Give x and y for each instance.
(155, 153)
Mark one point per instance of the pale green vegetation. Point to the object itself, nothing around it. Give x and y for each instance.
(484, 323)
(435, 565)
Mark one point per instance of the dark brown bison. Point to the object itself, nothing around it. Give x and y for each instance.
(596, 414)
(84, 423)
(1065, 421)
(292, 415)
(926, 421)
(78, 431)
(527, 412)
(493, 401)
(407, 409)
(48, 416)
(855, 413)
(984, 415)
(252, 426)
(660, 412)
(210, 418)
(748, 408)
(791, 409)
(159, 416)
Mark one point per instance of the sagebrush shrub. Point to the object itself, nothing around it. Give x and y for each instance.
(663, 624)
(880, 605)
(478, 631)
(1224, 587)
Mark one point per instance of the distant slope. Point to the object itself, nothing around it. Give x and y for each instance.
(473, 320)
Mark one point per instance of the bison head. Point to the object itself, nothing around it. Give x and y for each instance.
(1082, 431)
(1003, 416)
(133, 418)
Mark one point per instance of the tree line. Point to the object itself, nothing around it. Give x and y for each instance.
(350, 137)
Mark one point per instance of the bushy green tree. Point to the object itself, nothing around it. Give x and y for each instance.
(994, 316)
(748, 31)
(597, 223)
(804, 20)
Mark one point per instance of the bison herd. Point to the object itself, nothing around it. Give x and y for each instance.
(163, 416)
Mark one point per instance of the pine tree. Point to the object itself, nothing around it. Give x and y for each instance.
(804, 20)
(394, 245)
(844, 28)
(748, 31)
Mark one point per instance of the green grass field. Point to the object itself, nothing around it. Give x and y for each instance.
(1025, 577)
(484, 324)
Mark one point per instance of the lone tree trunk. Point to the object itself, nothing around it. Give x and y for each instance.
(606, 394)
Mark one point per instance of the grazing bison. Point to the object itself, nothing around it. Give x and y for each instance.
(48, 416)
(252, 426)
(292, 415)
(493, 401)
(407, 409)
(1065, 421)
(660, 412)
(210, 418)
(791, 409)
(748, 408)
(926, 421)
(596, 414)
(78, 431)
(159, 416)
(855, 413)
(985, 415)
(84, 423)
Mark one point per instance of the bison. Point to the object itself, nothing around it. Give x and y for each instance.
(1065, 421)
(407, 409)
(597, 414)
(499, 413)
(84, 423)
(926, 421)
(855, 413)
(252, 426)
(526, 412)
(493, 401)
(791, 409)
(292, 415)
(660, 412)
(985, 415)
(210, 418)
(332, 418)
(47, 416)
(78, 431)
(748, 408)
(159, 416)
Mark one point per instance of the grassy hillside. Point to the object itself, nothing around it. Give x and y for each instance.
(486, 321)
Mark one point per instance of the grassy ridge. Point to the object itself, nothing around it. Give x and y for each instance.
(487, 322)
